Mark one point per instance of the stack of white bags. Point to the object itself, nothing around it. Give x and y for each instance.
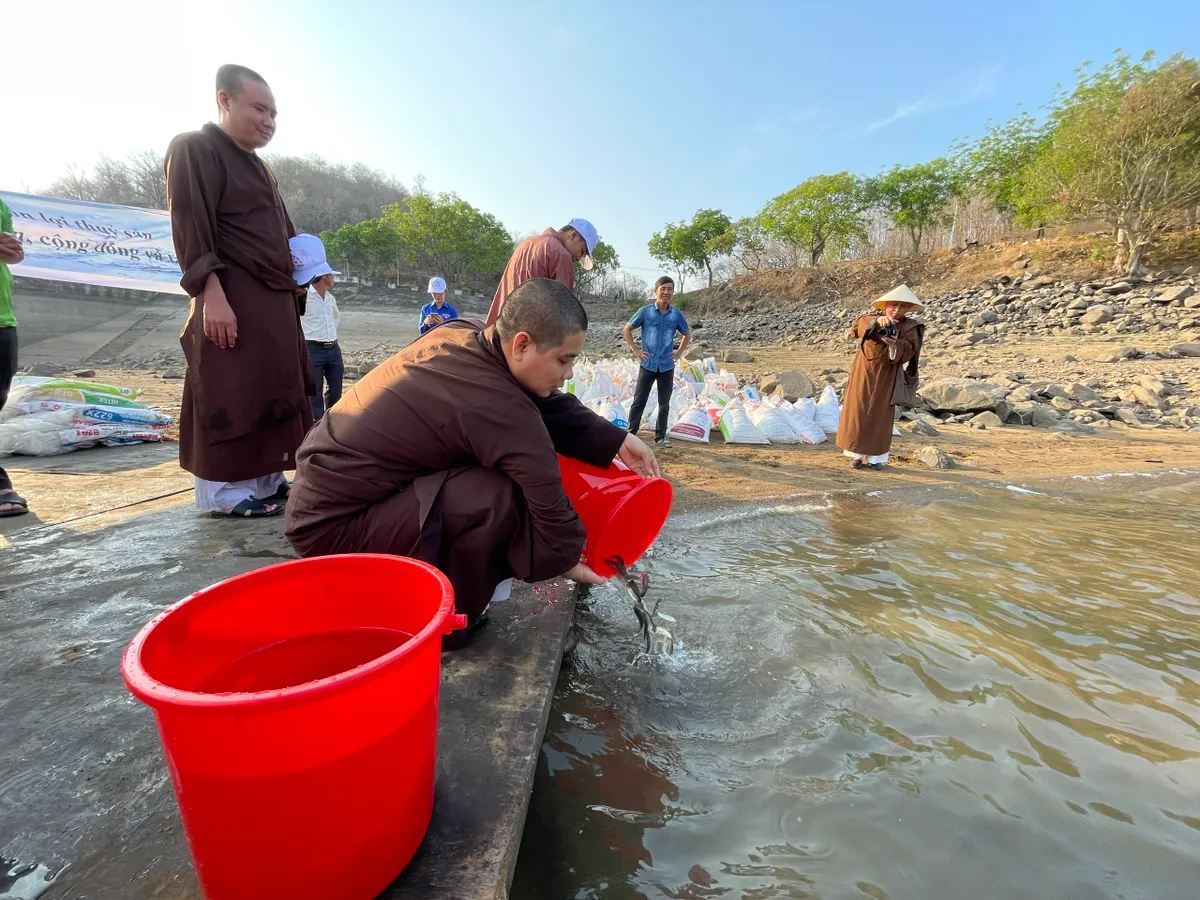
(49, 416)
(704, 398)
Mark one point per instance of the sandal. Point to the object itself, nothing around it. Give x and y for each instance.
(250, 508)
(282, 493)
(856, 464)
(876, 467)
(12, 498)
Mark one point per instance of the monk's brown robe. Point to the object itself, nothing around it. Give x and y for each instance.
(440, 455)
(867, 411)
(245, 409)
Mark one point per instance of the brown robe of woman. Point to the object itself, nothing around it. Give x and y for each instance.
(439, 454)
(867, 411)
(245, 409)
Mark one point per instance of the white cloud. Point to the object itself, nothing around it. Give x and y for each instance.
(978, 88)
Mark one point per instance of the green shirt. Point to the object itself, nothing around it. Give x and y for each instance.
(7, 319)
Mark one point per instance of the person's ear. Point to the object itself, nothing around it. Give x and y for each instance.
(522, 346)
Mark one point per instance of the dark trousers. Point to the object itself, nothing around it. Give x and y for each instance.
(666, 383)
(327, 369)
(8, 368)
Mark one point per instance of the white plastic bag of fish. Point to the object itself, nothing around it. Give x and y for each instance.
(829, 411)
(775, 424)
(693, 424)
(802, 414)
(736, 427)
(610, 409)
(724, 382)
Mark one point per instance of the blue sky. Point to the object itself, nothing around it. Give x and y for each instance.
(629, 114)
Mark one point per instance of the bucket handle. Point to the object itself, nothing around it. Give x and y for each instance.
(455, 622)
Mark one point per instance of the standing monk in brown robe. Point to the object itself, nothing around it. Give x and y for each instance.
(446, 452)
(551, 254)
(245, 409)
(886, 344)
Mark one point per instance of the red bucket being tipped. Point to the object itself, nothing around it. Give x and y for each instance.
(622, 511)
(297, 707)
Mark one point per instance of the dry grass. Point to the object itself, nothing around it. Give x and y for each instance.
(1081, 257)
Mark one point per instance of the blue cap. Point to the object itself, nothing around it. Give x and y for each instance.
(437, 285)
(588, 232)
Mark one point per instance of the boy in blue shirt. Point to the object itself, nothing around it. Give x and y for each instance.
(439, 311)
(659, 322)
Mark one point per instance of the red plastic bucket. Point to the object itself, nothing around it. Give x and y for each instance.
(297, 707)
(622, 511)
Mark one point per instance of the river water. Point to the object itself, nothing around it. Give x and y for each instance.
(986, 694)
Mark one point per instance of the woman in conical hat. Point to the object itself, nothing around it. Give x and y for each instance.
(888, 343)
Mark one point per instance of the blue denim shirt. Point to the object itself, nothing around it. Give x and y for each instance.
(658, 334)
(447, 312)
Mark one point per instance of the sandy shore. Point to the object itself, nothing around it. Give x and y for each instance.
(714, 475)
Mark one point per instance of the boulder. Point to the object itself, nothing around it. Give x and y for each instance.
(1117, 354)
(933, 458)
(85, 373)
(1097, 315)
(1186, 349)
(1081, 393)
(1192, 302)
(1044, 416)
(1128, 416)
(1020, 415)
(1121, 287)
(737, 356)
(978, 337)
(1147, 398)
(962, 395)
(921, 427)
(1176, 294)
(1052, 391)
(1153, 385)
(172, 374)
(43, 370)
(793, 385)
(986, 420)
(1070, 426)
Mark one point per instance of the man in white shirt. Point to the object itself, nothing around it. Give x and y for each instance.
(320, 320)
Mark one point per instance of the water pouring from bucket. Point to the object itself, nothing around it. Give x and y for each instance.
(623, 514)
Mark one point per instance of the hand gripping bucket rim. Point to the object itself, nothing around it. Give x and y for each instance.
(155, 693)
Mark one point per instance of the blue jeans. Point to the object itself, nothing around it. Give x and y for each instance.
(328, 369)
(665, 383)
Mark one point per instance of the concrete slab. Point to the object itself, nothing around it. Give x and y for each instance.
(83, 784)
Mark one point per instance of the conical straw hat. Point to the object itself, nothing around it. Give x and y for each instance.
(899, 295)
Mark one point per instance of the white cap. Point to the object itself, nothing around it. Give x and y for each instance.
(899, 295)
(308, 258)
(588, 232)
(437, 285)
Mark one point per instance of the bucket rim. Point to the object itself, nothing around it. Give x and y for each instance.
(157, 694)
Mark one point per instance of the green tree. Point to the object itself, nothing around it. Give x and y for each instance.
(821, 215)
(370, 246)
(604, 261)
(447, 233)
(995, 166)
(668, 248)
(690, 247)
(915, 197)
(1124, 146)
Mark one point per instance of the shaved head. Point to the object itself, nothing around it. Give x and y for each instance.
(545, 310)
(232, 79)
